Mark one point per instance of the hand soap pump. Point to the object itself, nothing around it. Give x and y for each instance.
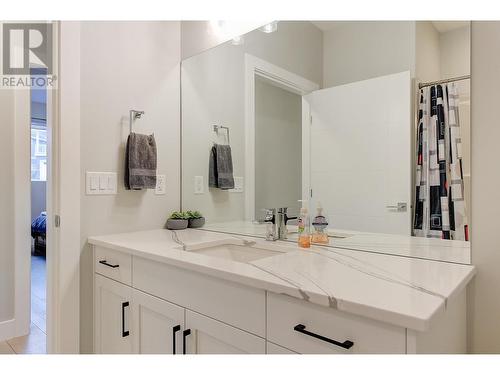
(320, 223)
(304, 226)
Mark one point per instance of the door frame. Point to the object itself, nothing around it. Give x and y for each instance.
(63, 183)
(277, 76)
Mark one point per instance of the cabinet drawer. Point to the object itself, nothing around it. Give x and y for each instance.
(235, 304)
(113, 264)
(368, 336)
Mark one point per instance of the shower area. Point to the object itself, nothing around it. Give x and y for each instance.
(442, 172)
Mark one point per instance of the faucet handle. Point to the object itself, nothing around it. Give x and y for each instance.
(282, 210)
(270, 213)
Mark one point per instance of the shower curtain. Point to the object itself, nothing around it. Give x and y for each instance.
(439, 195)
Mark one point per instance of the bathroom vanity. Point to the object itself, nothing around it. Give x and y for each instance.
(299, 135)
(197, 292)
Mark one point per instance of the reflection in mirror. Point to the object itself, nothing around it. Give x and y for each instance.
(278, 148)
(366, 122)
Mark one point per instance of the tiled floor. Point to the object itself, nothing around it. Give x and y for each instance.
(35, 342)
(38, 292)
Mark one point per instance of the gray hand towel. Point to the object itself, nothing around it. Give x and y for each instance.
(212, 168)
(220, 173)
(140, 162)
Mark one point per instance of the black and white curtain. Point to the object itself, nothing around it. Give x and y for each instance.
(440, 210)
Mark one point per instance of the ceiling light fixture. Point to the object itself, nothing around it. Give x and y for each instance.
(237, 40)
(270, 27)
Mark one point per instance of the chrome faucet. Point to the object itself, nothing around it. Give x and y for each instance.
(270, 221)
(276, 219)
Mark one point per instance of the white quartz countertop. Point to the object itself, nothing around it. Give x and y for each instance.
(416, 247)
(399, 290)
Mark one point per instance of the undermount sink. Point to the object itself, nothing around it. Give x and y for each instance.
(243, 252)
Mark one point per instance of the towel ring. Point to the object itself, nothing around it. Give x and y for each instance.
(216, 129)
(134, 115)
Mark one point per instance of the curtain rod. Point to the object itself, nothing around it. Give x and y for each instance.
(425, 84)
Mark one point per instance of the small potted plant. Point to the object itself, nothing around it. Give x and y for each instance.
(177, 220)
(196, 219)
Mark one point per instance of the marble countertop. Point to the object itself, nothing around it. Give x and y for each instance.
(399, 290)
(408, 246)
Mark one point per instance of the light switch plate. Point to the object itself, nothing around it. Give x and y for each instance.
(103, 182)
(199, 185)
(161, 184)
(92, 182)
(238, 185)
(100, 183)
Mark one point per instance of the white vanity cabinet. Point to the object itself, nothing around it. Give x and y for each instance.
(147, 306)
(208, 336)
(310, 329)
(112, 316)
(157, 325)
(129, 320)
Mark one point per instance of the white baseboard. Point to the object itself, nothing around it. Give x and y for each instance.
(11, 328)
(7, 329)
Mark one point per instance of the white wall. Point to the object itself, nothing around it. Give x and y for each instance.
(278, 148)
(15, 211)
(213, 93)
(483, 299)
(455, 52)
(428, 52)
(126, 65)
(7, 205)
(358, 50)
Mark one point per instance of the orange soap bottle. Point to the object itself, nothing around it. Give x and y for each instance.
(304, 227)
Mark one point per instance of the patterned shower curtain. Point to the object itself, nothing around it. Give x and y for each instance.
(439, 195)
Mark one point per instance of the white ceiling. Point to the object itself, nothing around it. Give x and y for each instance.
(441, 26)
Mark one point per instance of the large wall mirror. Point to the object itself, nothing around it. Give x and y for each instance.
(367, 121)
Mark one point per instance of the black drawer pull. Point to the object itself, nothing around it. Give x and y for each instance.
(124, 333)
(109, 265)
(185, 333)
(175, 329)
(302, 329)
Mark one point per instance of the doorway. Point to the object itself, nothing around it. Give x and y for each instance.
(39, 147)
(262, 74)
(278, 143)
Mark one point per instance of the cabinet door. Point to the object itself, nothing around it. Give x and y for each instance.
(209, 336)
(112, 317)
(158, 325)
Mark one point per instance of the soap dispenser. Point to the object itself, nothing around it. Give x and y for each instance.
(320, 223)
(304, 226)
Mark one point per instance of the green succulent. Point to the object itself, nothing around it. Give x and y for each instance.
(194, 214)
(178, 215)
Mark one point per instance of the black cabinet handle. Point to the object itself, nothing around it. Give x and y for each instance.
(302, 329)
(175, 329)
(109, 265)
(185, 333)
(124, 333)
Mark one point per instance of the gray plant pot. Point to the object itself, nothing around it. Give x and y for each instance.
(177, 224)
(197, 223)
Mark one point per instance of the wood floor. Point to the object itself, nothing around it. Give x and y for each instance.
(35, 342)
